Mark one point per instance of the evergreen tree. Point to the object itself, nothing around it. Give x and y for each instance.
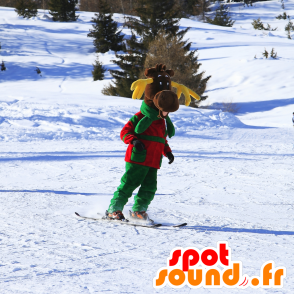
(196, 7)
(283, 16)
(131, 65)
(221, 17)
(248, 3)
(63, 10)
(105, 34)
(265, 53)
(38, 71)
(274, 54)
(3, 67)
(258, 25)
(26, 8)
(154, 16)
(171, 52)
(289, 27)
(98, 70)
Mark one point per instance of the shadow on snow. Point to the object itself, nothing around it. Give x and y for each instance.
(237, 230)
(67, 156)
(256, 106)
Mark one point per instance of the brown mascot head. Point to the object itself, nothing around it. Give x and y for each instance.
(159, 95)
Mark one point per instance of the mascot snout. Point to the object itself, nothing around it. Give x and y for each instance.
(166, 101)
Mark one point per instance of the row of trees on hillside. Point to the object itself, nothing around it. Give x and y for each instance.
(186, 7)
(61, 10)
(65, 10)
(41, 4)
(155, 38)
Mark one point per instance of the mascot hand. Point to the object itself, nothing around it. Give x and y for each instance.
(138, 145)
(170, 157)
(139, 87)
(186, 91)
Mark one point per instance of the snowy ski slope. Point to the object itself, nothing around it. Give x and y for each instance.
(60, 152)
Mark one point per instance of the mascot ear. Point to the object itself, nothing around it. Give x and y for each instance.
(170, 72)
(149, 72)
(160, 67)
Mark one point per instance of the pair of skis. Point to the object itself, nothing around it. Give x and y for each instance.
(130, 223)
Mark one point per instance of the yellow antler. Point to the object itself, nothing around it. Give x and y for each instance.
(186, 91)
(139, 87)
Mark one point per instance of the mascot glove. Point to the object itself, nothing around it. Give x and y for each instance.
(138, 145)
(139, 87)
(170, 156)
(186, 91)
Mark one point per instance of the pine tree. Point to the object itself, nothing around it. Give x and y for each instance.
(63, 10)
(185, 65)
(265, 53)
(154, 16)
(283, 16)
(105, 34)
(38, 71)
(131, 67)
(289, 27)
(26, 8)
(221, 17)
(3, 67)
(248, 3)
(258, 25)
(195, 7)
(274, 54)
(98, 70)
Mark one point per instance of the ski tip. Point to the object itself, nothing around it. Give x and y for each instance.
(77, 214)
(181, 225)
(156, 225)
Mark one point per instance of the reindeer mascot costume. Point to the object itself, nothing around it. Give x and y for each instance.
(146, 133)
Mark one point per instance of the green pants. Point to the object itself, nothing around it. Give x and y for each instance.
(135, 176)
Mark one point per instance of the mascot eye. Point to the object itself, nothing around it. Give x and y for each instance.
(167, 84)
(160, 85)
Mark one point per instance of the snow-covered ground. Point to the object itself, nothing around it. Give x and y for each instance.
(60, 152)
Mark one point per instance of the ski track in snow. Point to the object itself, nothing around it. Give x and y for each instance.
(60, 152)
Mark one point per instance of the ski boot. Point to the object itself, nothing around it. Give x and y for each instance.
(139, 215)
(116, 215)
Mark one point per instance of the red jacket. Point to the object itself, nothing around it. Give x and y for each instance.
(154, 139)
